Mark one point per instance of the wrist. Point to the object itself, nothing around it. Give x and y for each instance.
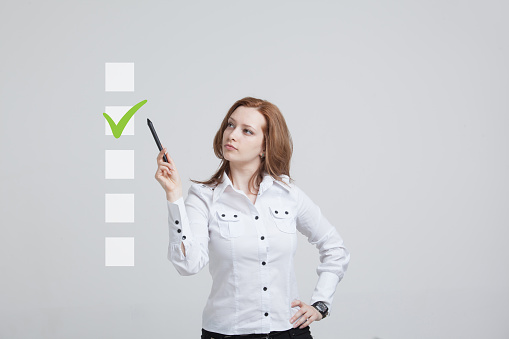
(322, 308)
(174, 196)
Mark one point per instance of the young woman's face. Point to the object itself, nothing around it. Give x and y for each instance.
(244, 132)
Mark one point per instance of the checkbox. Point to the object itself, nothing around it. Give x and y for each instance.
(119, 76)
(119, 207)
(119, 251)
(119, 164)
(116, 113)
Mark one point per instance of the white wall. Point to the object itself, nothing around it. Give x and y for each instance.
(399, 116)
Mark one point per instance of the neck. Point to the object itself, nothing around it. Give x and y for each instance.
(241, 174)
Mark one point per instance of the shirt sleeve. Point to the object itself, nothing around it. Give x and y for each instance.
(334, 257)
(188, 225)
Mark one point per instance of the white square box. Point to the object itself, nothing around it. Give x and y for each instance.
(119, 251)
(119, 76)
(116, 113)
(119, 164)
(119, 207)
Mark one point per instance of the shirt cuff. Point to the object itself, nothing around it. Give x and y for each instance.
(177, 222)
(325, 288)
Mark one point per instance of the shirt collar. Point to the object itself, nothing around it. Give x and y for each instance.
(267, 182)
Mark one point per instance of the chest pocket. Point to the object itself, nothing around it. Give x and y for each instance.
(283, 218)
(230, 223)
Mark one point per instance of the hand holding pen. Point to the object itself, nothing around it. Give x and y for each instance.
(166, 174)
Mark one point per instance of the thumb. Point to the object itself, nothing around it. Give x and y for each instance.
(295, 303)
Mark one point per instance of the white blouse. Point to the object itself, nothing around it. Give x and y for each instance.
(250, 250)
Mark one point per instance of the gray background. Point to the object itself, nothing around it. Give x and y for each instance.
(399, 115)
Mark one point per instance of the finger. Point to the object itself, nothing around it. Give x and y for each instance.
(300, 321)
(167, 172)
(306, 316)
(166, 165)
(297, 315)
(163, 167)
(302, 324)
(161, 153)
(306, 322)
(160, 159)
(162, 174)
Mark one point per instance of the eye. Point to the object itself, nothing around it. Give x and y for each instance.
(248, 131)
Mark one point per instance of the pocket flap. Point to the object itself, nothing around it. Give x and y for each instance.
(228, 215)
(280, 212)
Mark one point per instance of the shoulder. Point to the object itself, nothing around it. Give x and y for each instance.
(200, 196)
(290, 186)
(201, 187)
(294, 191)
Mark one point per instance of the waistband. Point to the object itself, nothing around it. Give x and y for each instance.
(274, 334)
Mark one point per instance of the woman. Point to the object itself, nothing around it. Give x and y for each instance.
(244, 225)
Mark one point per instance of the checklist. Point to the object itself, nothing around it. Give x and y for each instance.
(119, 163)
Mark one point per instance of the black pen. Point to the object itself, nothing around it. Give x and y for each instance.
(154, 134)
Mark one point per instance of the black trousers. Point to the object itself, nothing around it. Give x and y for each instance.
(296, 333)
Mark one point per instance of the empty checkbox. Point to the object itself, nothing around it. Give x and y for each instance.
(119, 251)
(119, 164)
(119, 208)
(119, 77)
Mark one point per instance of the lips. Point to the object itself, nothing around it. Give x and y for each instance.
(228, 146)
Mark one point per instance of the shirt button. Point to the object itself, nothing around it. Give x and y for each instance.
(275, 212)
(286, 212)
(265, 288)
(256, 218)
(234, 215)
(183, 237)
(266, 314)
(262, 237)
(176, 222)
(222, 215)
(179, 230)
(263, 263)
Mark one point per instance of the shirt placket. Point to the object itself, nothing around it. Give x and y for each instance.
(263, 288)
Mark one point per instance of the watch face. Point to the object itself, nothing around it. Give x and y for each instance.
(321, 307)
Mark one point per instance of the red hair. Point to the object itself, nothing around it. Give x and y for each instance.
(276, 138)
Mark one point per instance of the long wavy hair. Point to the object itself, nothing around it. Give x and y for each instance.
(276, 138)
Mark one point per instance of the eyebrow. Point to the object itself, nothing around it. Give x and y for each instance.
(243, 124)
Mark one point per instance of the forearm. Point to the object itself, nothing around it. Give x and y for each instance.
(188, 244)
(172, 197)
(334, 259)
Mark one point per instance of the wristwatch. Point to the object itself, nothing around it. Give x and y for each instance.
(322, 308)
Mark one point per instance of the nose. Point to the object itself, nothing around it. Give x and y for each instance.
(233, 134)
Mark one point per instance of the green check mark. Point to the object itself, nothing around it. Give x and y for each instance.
(117, 129)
